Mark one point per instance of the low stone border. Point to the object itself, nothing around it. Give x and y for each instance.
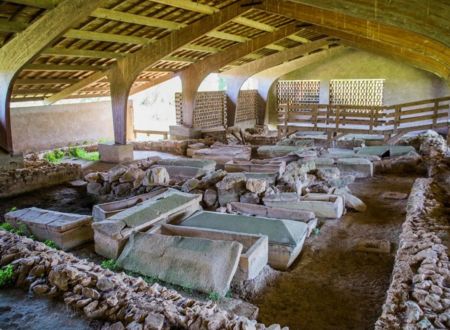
(419, 294)
(116, 298)
(36, 175)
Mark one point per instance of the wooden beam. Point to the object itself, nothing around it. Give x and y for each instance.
(158, 70)
(81, 53)
(76, 87)
(297, 38)
(45, 81)
(253, 56)
(203, 49)
(60, 67)
(254, 24)
(142, 87)
(178, 59)
(189, 5)
(45, 4)
(275, 47)
(107, 37)
(115, 15)
(227, 36)
(11, 26)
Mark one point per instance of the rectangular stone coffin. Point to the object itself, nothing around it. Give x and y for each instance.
(359, 167)
(197, 263)
(183, 172)
(223, 154)
(255, 247)
(286, 237)
(270, 178)
(65, 229)
(258, 167)
(385, 151)
(307, 217)
(323, 205)
(111, 235)
(103, 211)
(206, 165)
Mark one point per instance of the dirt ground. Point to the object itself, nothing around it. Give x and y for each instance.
(332, 286)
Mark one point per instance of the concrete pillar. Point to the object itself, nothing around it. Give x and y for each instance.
(324, 93)
(6, 81)
(234, 85)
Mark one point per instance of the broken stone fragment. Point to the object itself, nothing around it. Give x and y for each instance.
(116, 172)
(210, 197)
(257, 186)
(157, 176)
(94, 188)
(250, 198)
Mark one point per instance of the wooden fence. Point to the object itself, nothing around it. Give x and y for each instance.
(345, 119)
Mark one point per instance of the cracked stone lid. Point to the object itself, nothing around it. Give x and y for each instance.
(279, 231)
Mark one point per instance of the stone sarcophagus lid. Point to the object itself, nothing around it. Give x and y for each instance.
(307, 217)
(323, 205)
(106, 210)
(254, 253)
(110, 235)
(256, 165)
(286, 237)
(206, 165)
(197, 263)
(223, 153)
(65, 229)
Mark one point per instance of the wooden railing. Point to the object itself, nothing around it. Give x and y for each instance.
(343, 119)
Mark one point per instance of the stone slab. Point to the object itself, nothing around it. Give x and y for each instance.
(65, 229)
(373, 246)
(307, 217)
(183, 172)
(286, 237)
(106, 210)
(277, 151)
(323, 205)
(115, 153)
(255, 252)
(180, 132)
(205, 164)
(359, 167)
(10, 162)
(111, 234)
(270, 178)
(223, 153)
(200, 264)
(385, 151)
(252, 166)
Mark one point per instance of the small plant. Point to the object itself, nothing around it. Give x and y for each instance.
(7, 227)
(228, 295)
(150, 279)
(81, 153)
(214, 296)
(6, 275)
(13, 209)
(50, 244)
(316, 231)
(22, 230)
(54, 156)
(109, 264)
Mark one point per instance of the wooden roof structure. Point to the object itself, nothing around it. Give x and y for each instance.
(76, 63)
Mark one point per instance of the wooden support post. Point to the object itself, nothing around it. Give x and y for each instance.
(435, 113)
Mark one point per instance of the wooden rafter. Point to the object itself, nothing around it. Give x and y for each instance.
(189, 5)
(107, 37)
(203, 49)
(81, 53)
(254, 24)
(60, 67)
(275, 47)
(227, 36)
(299, 39)
(45, 81)
(124, 17)
(10, 26)
(45, 4)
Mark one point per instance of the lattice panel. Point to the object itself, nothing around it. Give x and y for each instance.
(298, 91)
(210, 109)
(365, 92)
(248, 104)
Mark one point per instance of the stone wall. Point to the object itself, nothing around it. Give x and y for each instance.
(36, 175)
(403, 83)
(46, 127)
(419, 294)
(117, 299)
(248, 108)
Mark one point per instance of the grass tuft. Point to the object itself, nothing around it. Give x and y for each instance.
(6, 275)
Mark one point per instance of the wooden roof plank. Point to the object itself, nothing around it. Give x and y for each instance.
(124, 17)
(10, 26)
(106, 37)
(45, 4)
(81, 53)
(254, 24)
(227, 36)
(55, 81)
(59, 67)
(199, 48)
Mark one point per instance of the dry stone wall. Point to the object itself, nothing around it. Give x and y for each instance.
(36, 175)
(121, 301)
(419, 294)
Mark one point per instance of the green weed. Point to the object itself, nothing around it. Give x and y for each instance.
(6, 275)
(54, 156)
(50, 243)
(81, 153)
(22, 230)
(109, 264)
(214, 296)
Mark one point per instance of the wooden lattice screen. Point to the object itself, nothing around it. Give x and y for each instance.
(298, 91)
(365, 92)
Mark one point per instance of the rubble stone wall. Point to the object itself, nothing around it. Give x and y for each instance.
(419, 294)
(18, 181)
(115, 298)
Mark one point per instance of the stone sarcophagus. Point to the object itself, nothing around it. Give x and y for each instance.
(65, 229)
(254, 253)
(110, 235)
(286, 237)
